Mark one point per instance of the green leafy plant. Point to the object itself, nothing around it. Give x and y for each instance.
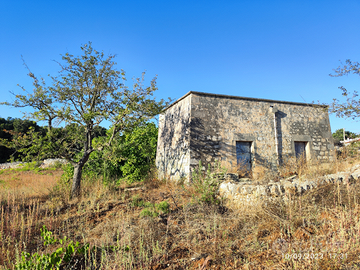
(61, 255)
(138, 149)
(163, 206)
(136, 201)
(206, 184)
(129, 158)
(154, 210)
(14, 127)
(148, 213)
(150, 209)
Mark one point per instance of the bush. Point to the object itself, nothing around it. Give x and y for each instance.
(62, 255)
(207, 184)
(150, 209)
(130, 158)
(154, 210)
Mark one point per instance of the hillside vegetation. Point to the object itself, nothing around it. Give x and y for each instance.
(157, 224)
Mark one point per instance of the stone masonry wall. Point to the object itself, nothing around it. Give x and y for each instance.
(217, 122)
(243, 192)
(173, 152)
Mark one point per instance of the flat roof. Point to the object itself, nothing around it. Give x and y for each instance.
(243, 98)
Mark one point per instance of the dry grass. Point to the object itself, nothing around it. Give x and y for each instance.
(323, 226)
(241, 169)
(315, 168)
(27, 183)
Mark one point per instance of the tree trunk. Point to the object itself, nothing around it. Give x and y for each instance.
(76, 184)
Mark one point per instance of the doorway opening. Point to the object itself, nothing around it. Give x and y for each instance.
(243, 158)
(300, 150)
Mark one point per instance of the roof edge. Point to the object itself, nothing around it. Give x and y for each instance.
(243, 98)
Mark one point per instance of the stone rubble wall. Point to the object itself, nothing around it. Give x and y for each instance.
(45, 164)
(244, 192)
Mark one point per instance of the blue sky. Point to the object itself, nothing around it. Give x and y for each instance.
(282, 50)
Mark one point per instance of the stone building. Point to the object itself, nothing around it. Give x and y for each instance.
(241, 132)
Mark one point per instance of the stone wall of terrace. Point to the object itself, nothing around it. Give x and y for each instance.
(240, 192)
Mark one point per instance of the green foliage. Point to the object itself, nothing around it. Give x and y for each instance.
(163, 207)
(207, 184)
(38, 145)
(62, 255)
(339, 134)
(10, 129)
(148, 213)
(351, 107)
(138, 150)
(150, 209)
(154, 210)
(68, 172)
(129, 158)
(137, 201)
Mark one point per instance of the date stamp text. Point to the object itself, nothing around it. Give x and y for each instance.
(313, 256)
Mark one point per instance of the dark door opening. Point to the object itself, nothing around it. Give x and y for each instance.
(300, 150)
(243, 156)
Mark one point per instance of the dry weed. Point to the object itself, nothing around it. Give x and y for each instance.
(274, 234)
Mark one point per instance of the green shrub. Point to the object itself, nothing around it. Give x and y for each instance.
(207, 184)
(150, 209)
(148, 213)
(163, 206)
(61, 255)
(139, 152)
(136, 201)
(130, 157)
(154, 210)
(68, 172)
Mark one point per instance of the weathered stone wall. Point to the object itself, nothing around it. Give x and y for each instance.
(45, 163)
(217, 122)
(242, 193)
(173, 152)
(205, 127)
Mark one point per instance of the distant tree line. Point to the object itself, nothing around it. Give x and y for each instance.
(13, 149)
(8, 129)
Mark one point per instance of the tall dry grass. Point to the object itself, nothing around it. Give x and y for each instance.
(322, 226)
(23, 210)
